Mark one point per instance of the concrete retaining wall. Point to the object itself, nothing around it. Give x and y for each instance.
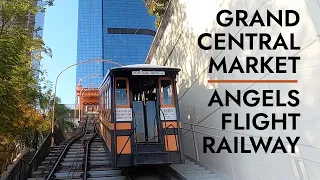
(177, 47)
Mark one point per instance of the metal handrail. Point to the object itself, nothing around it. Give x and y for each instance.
(203, 126)
(165, 124)
(135, 136)
(234, 132)
(220, 137)
(35, 155)
(175, 133)
(64, 151)
(126, 143)
(30, 166)
(47, 165)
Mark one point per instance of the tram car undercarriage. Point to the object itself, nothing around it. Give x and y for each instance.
(139, 115)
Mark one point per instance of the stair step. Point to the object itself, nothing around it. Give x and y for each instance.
(76, 147)
(207, 178)
(100, 163)
(68, 159)
(77, 163)
(187, 168)
(97, 145)
(98, 154)
(102, 168)
(75, 152)
(53, 154)
(74, 155)
(98, 151)
(47, 162)
(199, 174)
(108, 178)
(190, 162)
(41, 167)
(64, 175)
(97, 158)
(107, 173)
(37, 173)
(51, 157)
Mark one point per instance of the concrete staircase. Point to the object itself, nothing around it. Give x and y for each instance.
(191, 171)
(26, 154)
(29, 155)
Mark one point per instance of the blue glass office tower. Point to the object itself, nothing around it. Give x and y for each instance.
(89, 41)
(97, 39)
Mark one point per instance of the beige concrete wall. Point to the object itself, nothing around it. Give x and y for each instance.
(178, 48)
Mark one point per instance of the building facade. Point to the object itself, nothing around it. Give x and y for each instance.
(178, 47)
(110, 30)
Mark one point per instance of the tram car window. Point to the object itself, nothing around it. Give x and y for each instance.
(166, 92)
(140, 121)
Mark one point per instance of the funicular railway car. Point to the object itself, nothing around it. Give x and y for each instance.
(139, 115)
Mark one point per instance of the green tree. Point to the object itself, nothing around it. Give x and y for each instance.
(19, 89)
(157, 8)
(61, 110)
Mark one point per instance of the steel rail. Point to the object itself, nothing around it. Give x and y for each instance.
(51, 160)
(87, 151)
(74, 162)
(47, 165)
(64, 151)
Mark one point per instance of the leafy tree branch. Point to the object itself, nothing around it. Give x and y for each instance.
(157, 8)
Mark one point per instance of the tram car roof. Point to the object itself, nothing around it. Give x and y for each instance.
(143, 67)
(140, 67)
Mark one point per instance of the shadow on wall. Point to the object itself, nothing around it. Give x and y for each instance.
(179, 48)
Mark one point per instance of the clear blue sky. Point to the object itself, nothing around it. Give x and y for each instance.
(60, 34)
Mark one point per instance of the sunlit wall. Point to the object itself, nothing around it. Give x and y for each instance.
(178, 48)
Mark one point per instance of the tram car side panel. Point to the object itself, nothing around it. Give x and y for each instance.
(169, 117)
(124, 132)
(105, 114)
(139, 116)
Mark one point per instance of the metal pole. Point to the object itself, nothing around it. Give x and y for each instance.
(55, 90)
(195, 143)
(53, 110)
(79, 107)
(75, 113)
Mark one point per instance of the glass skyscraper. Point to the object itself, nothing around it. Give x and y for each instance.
(111, 30)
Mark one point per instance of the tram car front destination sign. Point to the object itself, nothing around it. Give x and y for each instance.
(148, 73)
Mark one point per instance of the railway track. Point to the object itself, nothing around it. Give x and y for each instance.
(84, 157)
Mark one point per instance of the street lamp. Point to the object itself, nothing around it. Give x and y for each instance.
(76, 101)
(91, 75)
(55, 89)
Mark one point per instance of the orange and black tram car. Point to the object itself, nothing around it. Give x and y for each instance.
(139, 115)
